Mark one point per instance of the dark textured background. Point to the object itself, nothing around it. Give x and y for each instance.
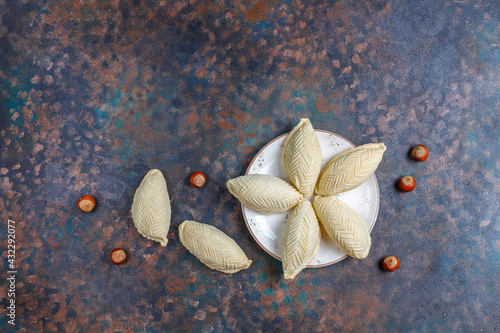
(95, 93)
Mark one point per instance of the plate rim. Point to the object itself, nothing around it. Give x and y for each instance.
(265, 248)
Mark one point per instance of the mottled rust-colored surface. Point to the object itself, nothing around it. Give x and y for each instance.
(95, 93)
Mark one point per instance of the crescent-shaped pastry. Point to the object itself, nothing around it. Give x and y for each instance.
(213, 247)
(264, 194)
(350, 169)
(301, 158)
(344, 226)
(151, 207)
(302, 238)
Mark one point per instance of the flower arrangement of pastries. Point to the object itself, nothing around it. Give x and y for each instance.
(301, 161)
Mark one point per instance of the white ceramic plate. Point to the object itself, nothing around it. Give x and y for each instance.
(269, 230)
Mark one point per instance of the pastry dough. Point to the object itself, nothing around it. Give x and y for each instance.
(302, 238)
(346, 227)
(213, 247)
(264, 194)
(301, 158)
(151, 207)
(350, 169)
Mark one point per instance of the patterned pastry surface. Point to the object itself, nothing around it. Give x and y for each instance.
(213, 247)
(350, 169)
(264, 194)
(301, 158)
(344, 226)
(301, 241)
(151, 207)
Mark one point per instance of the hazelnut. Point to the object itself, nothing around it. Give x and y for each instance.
(86, 203)
(118, 256)
(407, 183)
(390, 263)
(198, 179)
(420, 153)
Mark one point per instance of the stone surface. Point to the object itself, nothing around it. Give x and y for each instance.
(93, 94)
